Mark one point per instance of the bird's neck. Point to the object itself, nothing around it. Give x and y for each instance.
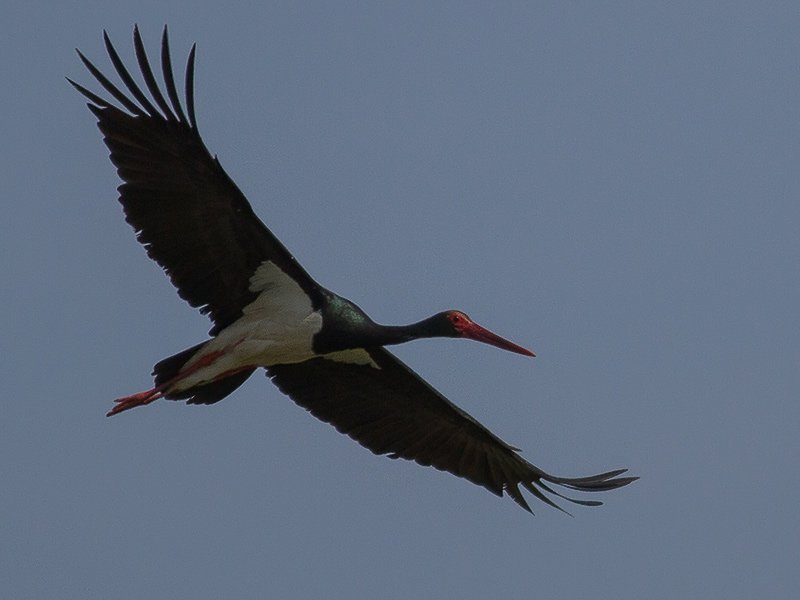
(387, 335)
(346, 326)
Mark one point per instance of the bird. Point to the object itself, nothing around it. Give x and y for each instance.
(317, 347)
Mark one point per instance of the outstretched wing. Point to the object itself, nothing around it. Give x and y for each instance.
(391, 410)
(188, 213)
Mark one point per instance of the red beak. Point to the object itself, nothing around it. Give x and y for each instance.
(475, 332)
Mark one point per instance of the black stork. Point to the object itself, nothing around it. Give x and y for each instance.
(320, 349)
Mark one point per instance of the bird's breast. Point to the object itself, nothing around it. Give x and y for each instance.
(278, 327)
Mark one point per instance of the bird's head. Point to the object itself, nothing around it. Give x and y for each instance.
(454, 323)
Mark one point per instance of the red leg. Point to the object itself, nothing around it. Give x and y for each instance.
(144, 398)
(139, 399)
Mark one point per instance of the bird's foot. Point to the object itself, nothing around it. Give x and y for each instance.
(144, 398)
(140, 399)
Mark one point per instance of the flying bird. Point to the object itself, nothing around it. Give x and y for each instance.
(320, 349)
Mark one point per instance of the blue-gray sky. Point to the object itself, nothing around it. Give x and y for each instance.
(614, 186)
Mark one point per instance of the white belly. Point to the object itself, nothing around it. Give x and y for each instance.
(277, 327)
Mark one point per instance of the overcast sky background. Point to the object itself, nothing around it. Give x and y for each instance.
(612, 185)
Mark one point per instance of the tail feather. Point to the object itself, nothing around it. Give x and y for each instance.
(170, 367)
(208, 393)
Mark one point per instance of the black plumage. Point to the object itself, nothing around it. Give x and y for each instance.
(195, 222)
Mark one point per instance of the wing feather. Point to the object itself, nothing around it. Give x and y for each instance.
(391, 410)
(190, 216)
